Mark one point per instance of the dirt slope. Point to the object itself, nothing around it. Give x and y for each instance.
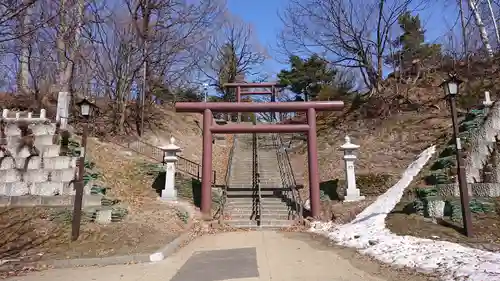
(392, 128)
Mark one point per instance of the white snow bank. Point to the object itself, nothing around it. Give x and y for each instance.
(368, 232)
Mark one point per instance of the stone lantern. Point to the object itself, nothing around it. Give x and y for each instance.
(352, 193)
(487, 102)
(170, 159)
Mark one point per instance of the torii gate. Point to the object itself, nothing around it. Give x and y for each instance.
(209, 128)
(240, 93)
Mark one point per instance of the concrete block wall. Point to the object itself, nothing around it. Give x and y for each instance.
(475, 190)
(482, 139)
(47, 174)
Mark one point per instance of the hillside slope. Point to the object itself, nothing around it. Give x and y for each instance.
(392, 128)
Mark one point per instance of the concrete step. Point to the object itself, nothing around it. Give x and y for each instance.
(250, 175)
(251, 216)
(270, 200)
(248, 184)
(240, 193)
(262, 173)
(267, 203)
(235, 188)
(264, 224)
(272, 167)
(265, 211)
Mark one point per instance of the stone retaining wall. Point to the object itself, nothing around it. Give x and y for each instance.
(47, 174)
(475, 190)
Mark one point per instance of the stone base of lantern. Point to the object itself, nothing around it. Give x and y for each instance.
(168, 195)
(353, 196)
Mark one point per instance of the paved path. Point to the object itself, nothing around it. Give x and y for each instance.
(242, 256)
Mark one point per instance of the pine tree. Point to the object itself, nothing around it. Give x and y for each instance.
(308, 76)
(411, 44)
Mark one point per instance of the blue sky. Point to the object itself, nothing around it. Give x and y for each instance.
(263, 15)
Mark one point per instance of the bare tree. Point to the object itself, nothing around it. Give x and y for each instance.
(473, 5)
(233, 53)
(116, 63)
(170, 33)
(10, 13)
(25, 40)
(348, 33)
(107, 49)
(494, 20)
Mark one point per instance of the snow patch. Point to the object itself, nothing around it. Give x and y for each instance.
(368, 233)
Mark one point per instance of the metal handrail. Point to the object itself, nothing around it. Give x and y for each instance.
(153, 152)
(287, 175)
(228, 176)
(255, 161)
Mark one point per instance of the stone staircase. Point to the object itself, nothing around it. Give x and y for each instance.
(242, 203)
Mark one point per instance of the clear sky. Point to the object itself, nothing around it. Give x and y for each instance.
(263, 15)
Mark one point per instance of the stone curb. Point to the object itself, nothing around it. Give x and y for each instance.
(157, 256)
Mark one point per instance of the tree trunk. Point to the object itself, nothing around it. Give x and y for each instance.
(494, 19)
(25, 40)
(67, 64)
(480, 25)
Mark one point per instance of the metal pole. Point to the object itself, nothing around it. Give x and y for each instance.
(462, 180)
(77, 204)
(145, 70)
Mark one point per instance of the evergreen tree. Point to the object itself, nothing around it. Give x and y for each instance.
(307, 76)
(411, 43)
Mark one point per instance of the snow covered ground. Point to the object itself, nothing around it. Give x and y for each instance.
(368, 233)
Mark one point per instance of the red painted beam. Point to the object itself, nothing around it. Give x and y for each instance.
(255, 93)
(253, 85)
(258, 107)
(264, 128)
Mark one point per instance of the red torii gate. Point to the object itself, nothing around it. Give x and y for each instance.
(209, 128)
(240, 93)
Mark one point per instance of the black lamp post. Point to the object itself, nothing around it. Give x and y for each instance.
(451, 89)
(86, 108)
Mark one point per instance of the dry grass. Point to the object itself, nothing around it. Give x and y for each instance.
(220, 158)
(29, 234)
(486, 229)
(340, 212)
(184, 127)
(187, 130)
(386, 147)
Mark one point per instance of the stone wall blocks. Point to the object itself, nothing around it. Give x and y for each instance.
(34, 163)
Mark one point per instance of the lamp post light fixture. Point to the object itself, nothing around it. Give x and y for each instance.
(451, 89)
(86, 109)
(205, 91)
